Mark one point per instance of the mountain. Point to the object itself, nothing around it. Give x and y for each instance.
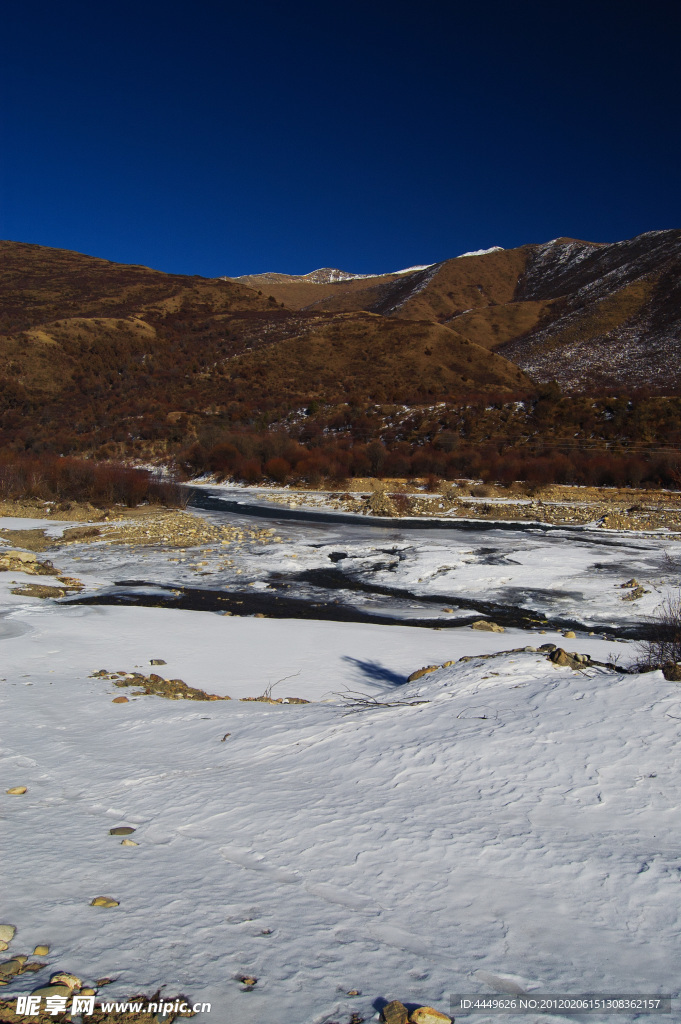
(595, 317)
(102, 357)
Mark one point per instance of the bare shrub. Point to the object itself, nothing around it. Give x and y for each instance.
(402, 502)
(663, 647)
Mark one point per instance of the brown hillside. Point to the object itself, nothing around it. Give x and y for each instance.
(492, 326)
(305, 292)
(439, 293)
(99, 357)
(331, 357)
(39, 284)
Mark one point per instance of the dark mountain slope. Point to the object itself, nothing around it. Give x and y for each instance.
(613, 314)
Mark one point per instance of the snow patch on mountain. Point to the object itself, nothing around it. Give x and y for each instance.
(481, 252)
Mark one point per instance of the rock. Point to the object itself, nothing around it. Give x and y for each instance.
(17, 791)
(52, 990)
(122, 830)
(128, 842)
(487, 626)
(632, 583)
(248, 980)
(104, 901)
(158, 661)
(448, 611)
(19, 556)
(41, 951)
(7, 932)
(672, 672)
(65, 978)
(547, 647)
(569, 635)
(88, 992)
(295, 700)
(636, 594)
(422, 672)
(562, 658)
(3, 945)
(395, 1013)
(120, 700)
(8, 968)
(427, 1015)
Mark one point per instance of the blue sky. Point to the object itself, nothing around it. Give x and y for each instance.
(220, 138)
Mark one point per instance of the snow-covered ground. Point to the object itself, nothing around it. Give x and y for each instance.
(518, 828)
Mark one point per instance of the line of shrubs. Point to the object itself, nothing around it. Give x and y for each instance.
(253, 457)
(53, 478)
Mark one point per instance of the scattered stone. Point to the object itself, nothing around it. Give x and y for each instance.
(101, 982)
(7, 932)
(395, 1013)
(422, 672)
(3, 945)
(104, 901)
(354, 992)
(158, 661)
(122, 830)
(636, 594)
(448, 611)
(294, 700)
(570, 634)
(427, 1015)
(563, 659)
(547, 647)
(17, 791)
(120, 700)
(129, 842)
(65, 978)
(88, 992)
(8, 968)
(153, 684)
(630, 584)
(248, 980)
(52, 990)
(41, 951)
(487, 626)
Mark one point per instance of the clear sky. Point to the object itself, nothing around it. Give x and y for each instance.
(232, 138)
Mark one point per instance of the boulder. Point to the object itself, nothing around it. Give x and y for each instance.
(7, 932)
(672, 672)
(427, 1015)
(66, 978)
(563, 659)
(395, 1013)
(487, 626)
(422, 672)
(52, 990)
